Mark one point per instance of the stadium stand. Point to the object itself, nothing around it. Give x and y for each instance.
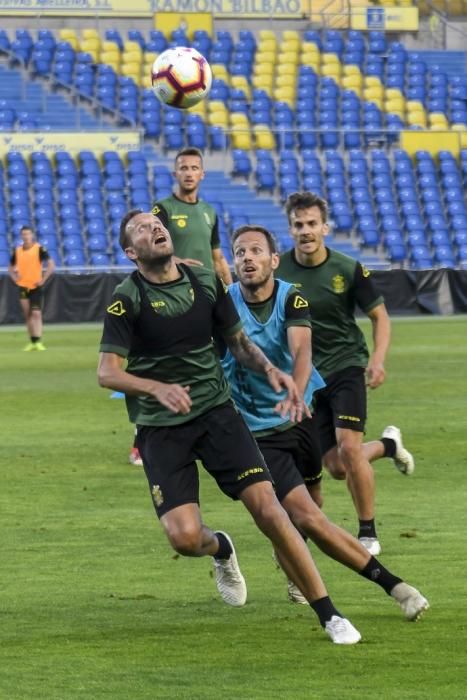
(318, 110)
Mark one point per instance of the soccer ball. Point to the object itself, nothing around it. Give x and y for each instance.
(181, 77)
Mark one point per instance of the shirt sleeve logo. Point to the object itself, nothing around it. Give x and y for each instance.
(300, 303)
(116, 309)
(155, 210)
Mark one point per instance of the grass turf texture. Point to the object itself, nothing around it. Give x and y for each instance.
(96, 605)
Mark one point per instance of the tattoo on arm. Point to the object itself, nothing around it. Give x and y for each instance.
(248, 353)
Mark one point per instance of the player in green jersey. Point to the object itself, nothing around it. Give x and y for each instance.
(193, 226)
(334, 284)
(192, 222)
(158, 349)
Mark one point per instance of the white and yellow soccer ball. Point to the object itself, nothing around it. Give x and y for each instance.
(181, 77)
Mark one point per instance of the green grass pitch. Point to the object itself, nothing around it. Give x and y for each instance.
(94, 604)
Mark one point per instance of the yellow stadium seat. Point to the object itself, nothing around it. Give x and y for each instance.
(132, 46)
(349, 69)
(286, 69)
(199, 108)
(265, 58)
(288, 57)
(263, 82)
(263, 69)
(310, 47)
(67, 34)
(370, 81)
(130, 69)
(241, 83)
(239, 119)
(330, 58)
(267, 46)
(286, 81)
(395, 106)
(110, 46)
(146, 81)
(292, 46)
(331, 70)
(241, 139)
(264, 138)
(132, 57)
(89, 33)
(290, 34)
(393, 93)
(352, 81)
(150, 56)
(216, 106)
(414, 105)
(90, 45)
(267, 34)
(285, 94)
(219, 71)
(373, 93)
(218, 119)
(110, 57)
(438, 118)
(416, 118)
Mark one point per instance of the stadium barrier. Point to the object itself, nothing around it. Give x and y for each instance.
(79, 298)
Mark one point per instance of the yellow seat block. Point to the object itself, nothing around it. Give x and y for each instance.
(286, 81)
(241, 140)
(219, 71)
(395, 105)
(200, 108)
(351, 81)
(267, 46)
(290, 34)
(90, 34)
(370, 81)
(132, 57)
(416, 118)
(414, 105)
(239, 119)
(131, 69)
(331, 70)
(150, 56)
(264, 137)
(288, 57)
(378, 101)
(290, 46)
(263, 82)
(287, 95)
(239, 82)
(330, 58)
(217, 106)
(373, 92)
(110, 57)
(67, 34)
(263, 69)
(218, 119)
(289, 69)
(146, 81)
(90, 45)
(109, 46)
(267, 34)
(310, 46)
(349, 69)
(312, 62)
(394, 93)
(132, 46)
(266, 58)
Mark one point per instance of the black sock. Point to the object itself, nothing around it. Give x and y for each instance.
(35, 338)
(225, 550)
(325, 609)
(374, 571)
(389, 447)
(367, 528)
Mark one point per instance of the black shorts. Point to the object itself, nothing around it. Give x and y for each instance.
(341, 404)
(219, 438)
(35, 296)
(293, 456)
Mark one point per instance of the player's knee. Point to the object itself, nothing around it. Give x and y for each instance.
(350, 453)
(185, 540)
(334, 465)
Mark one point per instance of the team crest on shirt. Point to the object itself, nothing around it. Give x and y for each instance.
(181, 223)
(116, 309)
(157, 496)
(338, 284)
(300, 303)
(365, 271)
(156, 305)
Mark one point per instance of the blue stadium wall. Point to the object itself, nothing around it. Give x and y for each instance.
(83, 298)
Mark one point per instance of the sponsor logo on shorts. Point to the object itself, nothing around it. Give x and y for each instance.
(355, 419)
(249, 472)
(157, 496)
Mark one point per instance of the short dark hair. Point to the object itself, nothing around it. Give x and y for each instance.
(305, 200)
(124, 238)
(255, 228)
(26, 228)
(189, 151)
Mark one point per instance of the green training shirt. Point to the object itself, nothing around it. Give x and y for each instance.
(193, 227)
(166, 334)
(333, 290)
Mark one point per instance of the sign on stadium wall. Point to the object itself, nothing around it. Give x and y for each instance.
(277, 9)
(78, 8)
(73, 142)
